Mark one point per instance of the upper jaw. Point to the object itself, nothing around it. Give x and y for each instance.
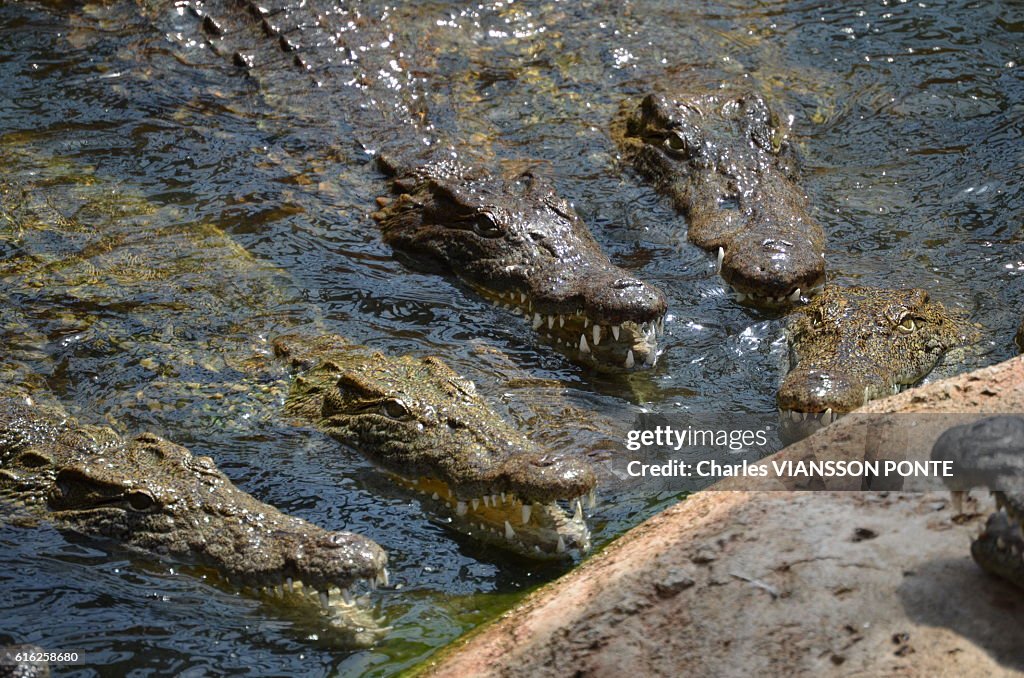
(772, 266)
(518, 507)
(330, 572)
(622, 335)
(537, 529)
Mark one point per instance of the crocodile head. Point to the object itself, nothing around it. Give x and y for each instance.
(989, 453)
(725, 163)
(850, 345)
(157, 498)
(520, 245)
(427, 427)
(999, 548)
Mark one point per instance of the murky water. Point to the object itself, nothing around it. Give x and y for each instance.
(908, 117)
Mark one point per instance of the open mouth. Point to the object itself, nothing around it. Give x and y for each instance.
(533, 529)
(626, 345)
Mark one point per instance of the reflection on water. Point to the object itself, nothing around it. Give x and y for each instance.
(907, 116)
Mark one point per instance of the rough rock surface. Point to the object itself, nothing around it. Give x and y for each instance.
(780, 583)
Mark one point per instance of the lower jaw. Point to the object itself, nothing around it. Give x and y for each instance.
(347, 611)
(534, 530)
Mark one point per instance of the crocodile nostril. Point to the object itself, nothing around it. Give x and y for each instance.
(334, 540)
(626, 283)
(543, 462)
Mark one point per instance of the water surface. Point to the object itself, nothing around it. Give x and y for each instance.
(908, 118)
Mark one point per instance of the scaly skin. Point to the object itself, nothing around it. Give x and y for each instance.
(850, 345)
(213, 370)
(516, 243)
(723, 160)
(520, 245)
(989, 453)
(155, 497)
(426, 426)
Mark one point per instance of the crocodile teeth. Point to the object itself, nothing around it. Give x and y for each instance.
(586, 322)
(537, 320)
(510, 534)
(561, 321)
(346, 595)
(476, 503)
(592, 499)
(795, 295)
(522, 297)
(560, 547)
(434, 496)
(461, 508)
(578, 513)
(325, 600)
(661, 325)
(597, 335)
(384, 576)
(584, 347)
(629, 360)
(721, 257)
(615, 331)
(526, 513)
(551, 321)
(740, 296)
(487, 500)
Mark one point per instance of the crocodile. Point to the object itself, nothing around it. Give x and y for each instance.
(850, 345)
(513, 240)
(193, 337)
(989, 453)
(725, 162)
(522, 246)
(156, 498)
(427, 427)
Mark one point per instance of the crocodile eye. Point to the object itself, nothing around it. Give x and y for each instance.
(676, 144)
(486, 227)
(140, 500)
(395, 408)
(907, 325)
